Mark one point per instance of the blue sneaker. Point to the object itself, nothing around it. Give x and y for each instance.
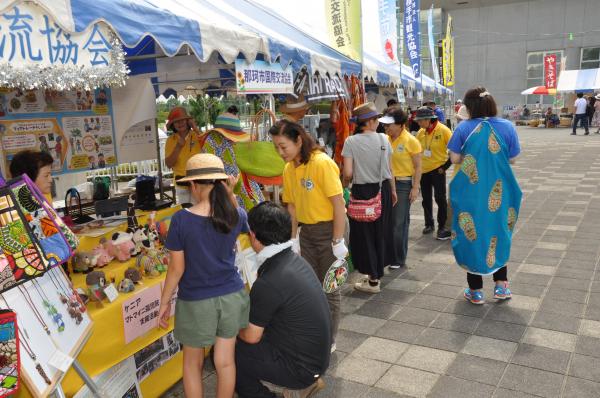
(475, 297)
(502, 292)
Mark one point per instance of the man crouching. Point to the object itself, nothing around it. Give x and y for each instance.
(288, 339)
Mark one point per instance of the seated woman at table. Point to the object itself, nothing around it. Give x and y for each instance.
(38, 167)
(552, 119)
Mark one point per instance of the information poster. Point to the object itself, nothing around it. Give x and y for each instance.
(75, 127)
(140, 313)
(153, 356)
(139, 139)
(119, 382)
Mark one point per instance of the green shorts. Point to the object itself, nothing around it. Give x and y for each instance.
(197, 323)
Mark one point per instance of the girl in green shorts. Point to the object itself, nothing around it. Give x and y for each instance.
(212, 303)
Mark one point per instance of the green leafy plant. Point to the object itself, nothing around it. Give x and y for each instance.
(205, 109)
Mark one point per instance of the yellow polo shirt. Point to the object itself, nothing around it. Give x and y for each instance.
(404, 147)
(310, 186)
(434, 144)
(190, 148)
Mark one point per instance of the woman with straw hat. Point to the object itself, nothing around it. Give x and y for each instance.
(212, 303)
(180, 146)
(367, 157)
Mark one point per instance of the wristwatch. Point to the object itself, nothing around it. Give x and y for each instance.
(336, 241)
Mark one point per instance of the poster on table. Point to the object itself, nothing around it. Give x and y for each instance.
(411, 35)
(261, 77)
(388, 30)
(154, 355)
(74, 127)
(39, 307)
(140, 312)
(120, 381)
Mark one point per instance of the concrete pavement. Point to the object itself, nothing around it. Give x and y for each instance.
(420, 338)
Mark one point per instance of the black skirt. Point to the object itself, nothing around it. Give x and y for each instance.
(370, 241)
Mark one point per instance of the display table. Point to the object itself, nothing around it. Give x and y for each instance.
(106, 347)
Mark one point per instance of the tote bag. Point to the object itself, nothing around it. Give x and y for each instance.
(9, 354)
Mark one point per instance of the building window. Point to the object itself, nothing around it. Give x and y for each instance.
(535, 74)
(590, 58)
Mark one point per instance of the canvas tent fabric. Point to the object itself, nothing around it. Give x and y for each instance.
(579, 80)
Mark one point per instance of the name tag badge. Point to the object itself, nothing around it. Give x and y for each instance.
(427, 153)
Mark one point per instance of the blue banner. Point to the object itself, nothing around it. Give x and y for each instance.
(411, 35)
(436, 72)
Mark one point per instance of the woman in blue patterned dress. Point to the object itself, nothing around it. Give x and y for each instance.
(484, 194)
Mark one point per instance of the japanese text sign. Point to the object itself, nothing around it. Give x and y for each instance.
(387, 29)
(344, 26)
(260, 77)
(29, 36)
(550, 72)
(412, 36)
(140, 313)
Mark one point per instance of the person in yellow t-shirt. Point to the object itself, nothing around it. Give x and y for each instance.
(406, 169)
(434, 137)
(38, 167)
(312, 191)
(180, 146)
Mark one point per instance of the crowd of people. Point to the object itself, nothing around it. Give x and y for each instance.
(284, 331)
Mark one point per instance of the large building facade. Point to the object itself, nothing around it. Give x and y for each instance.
(501, 44)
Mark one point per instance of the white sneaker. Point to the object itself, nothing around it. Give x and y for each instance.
(333, 348)
(365, 286)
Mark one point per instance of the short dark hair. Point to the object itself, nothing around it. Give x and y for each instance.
(270, 223)
(579, 95)
(400, 117)
(30, 163)
(294, 131)
(480, 106)
(233, 109)
(391, 102)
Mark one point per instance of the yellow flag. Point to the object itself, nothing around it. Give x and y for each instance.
(344, 25)
(448, 55)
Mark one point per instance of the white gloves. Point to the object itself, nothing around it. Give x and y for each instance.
(340, 250)
(296, 245)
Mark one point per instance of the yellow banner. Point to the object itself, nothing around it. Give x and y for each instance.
(448, 55)
(344, 26)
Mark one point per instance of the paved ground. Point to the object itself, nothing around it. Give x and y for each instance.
(420, 338)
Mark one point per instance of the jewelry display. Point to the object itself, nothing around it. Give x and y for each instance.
(33, 308)
(56, 316)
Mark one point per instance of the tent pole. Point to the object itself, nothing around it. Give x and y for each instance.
(160, 174)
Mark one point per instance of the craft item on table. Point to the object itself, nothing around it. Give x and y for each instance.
(102, 255)
(85, 298)
(139, 236)
(51, 309)
(122, 246)
(55, 238)
(133, 275)
(34, 309)
(9, 353)
(96, 281)
(149, 264)
(132, 220)
(83, 262)
(126, 286)
(68, 296)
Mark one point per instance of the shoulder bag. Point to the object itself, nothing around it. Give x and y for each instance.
(368, 210)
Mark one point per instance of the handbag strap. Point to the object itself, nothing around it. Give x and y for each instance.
(381, 160)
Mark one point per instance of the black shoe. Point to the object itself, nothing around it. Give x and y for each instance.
(427, 230)
(588, 133)
(573, 133)
(443, 234)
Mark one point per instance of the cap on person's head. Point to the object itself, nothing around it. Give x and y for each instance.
(424, 113)
(204, 166)
(177, 113)
(229, 125)
(365, 111)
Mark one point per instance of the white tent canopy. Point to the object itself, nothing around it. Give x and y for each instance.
(579, 80)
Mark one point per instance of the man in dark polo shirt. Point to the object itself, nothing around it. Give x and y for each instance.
(288, 339)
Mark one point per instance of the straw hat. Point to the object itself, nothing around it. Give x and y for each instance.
(177, 113)
(230, 127)
(293, 105)
(204, 166)
(597, 96)
(365, 111)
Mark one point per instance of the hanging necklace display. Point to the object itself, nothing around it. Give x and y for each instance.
(34, 309)
(68, 297)
(24, 339)
(56, 316)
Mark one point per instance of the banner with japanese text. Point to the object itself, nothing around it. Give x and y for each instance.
(448, 55)
(30, 37)
(344, 26)
(75, 127)
(261, 77)
(550, 73)
(432, 52)
(388, 30)
(411, 35)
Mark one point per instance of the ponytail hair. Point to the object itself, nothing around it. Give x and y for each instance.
(224, 215)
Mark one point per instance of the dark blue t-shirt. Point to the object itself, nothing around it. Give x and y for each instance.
(210, 269)
(502, 126)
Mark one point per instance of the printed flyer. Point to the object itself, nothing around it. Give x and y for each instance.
(75, 127)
